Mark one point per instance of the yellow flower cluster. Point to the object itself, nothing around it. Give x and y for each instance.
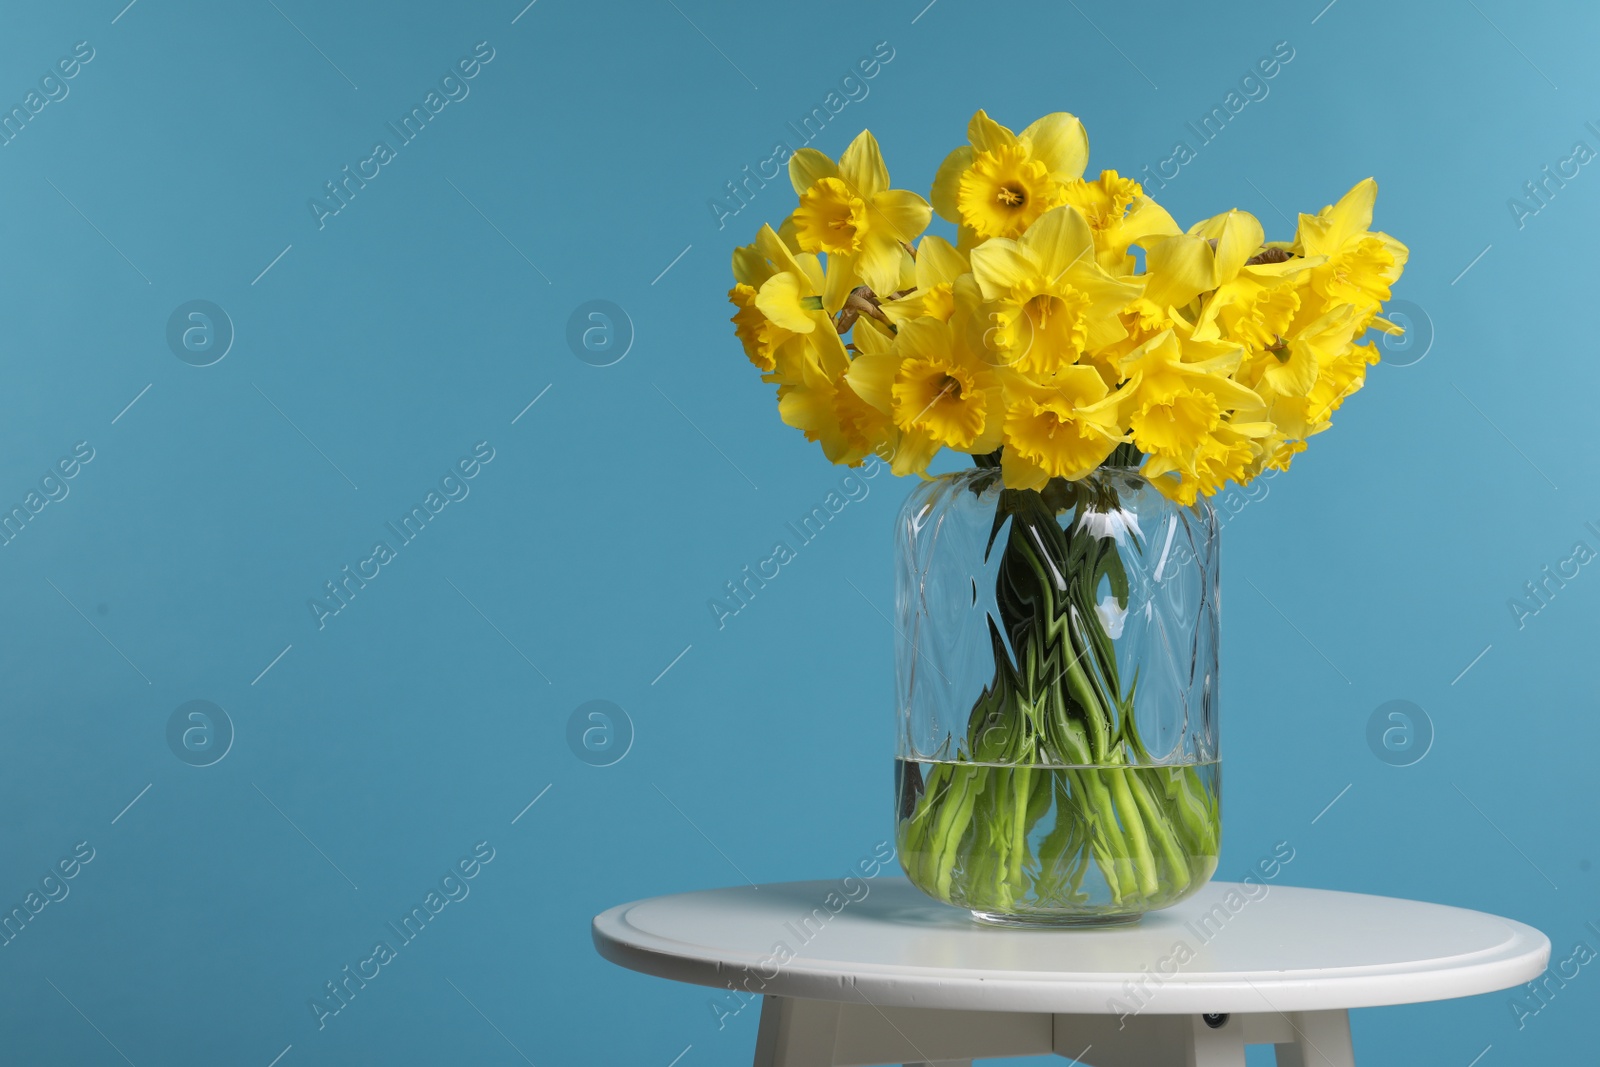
(1070, 316)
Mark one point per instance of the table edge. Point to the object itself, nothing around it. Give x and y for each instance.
(999, 991)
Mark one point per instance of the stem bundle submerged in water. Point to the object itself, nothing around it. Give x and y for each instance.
(1053, 810)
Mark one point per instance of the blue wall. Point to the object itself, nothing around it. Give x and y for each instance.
(366, 753)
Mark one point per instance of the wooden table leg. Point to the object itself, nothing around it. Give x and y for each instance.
(797, 1033)
(1321, 1039)
(1206, 1045)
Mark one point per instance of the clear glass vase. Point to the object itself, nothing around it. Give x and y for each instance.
(1057, 683)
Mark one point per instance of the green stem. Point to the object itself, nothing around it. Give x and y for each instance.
(954, 814)
(1159, 825)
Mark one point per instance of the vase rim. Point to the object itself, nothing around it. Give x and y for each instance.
(1104, 468)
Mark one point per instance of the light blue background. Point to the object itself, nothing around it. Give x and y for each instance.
(412, 326)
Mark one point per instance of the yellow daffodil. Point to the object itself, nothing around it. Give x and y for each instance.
(1342, 376)
(1048, 300)
(848, 211)
(814, 398)
(758, 334)
(1063, 429)
(775, 296)
(1293, 364)
(938, 392)
(1224, 455)
(1247, 297)
(1178, 269)
(1359, 265)
(1264, 304)
(1282, 452)
(939, 264)
(1259, 315)
(1175, 404)
(1000, 182)
(1286, 421)
(1119, 215)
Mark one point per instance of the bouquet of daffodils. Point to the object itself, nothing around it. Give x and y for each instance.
(1070, 326)
(1072, 320)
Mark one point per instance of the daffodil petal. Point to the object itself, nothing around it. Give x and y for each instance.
(871, 336)
(1080, 385)
(750, 266)
(828, 347)
(987, 135)
(1060, 142)
(1294, 376)
(998, 264)
(1108, 295)
(862, 166)
(1223, 358)
(993, 424)
(802, 408)
(927, 337)
(908, 272)
(811, 267)
(1397, 249)
(947, 184)
(903, 213)
(1155, 466)
(1353, 213)
(871, 375)
(879, 263)
(1019, 472)
(914, 454)
(779, 300)
(788, 235)
(1178, 269)
(842, 277)
(1059, 240)
(1241, 238)
(807, 167)
(1229, 394)
(1252, 429)
(1146, 220)
(938, 262)
(771, 245)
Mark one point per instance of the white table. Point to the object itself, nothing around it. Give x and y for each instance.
(892, 977)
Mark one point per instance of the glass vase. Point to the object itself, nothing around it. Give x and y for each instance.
(1056, 671)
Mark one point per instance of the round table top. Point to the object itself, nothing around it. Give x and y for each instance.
(1229, 948)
